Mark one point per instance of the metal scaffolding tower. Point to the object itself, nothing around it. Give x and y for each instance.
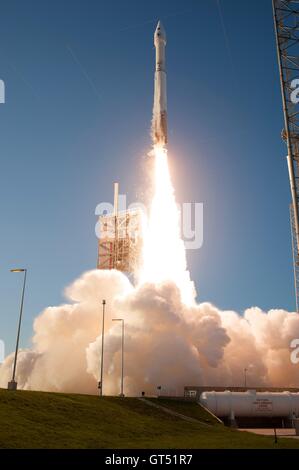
(295, 258)
(286, 22)
(120, 238)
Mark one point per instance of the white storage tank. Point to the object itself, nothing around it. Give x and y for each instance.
(251, 404)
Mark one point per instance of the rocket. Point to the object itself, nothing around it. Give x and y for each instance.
(159, 123)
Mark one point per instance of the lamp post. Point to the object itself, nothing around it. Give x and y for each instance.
(12, 385)
(122, 354)
(102, 355)
(245, 377)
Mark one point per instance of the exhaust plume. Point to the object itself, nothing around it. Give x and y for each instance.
(167, 342)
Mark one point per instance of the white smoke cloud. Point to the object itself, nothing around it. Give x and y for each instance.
(166, 342)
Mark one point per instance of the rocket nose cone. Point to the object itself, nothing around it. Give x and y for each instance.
(160, 31)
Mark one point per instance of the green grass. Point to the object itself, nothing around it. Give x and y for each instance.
(187, 408)
(54, 420)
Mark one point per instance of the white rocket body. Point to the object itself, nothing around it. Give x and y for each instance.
(159, 125)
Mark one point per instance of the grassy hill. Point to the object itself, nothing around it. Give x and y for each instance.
(56, 420)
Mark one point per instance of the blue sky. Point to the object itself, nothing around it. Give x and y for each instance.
(79, 91)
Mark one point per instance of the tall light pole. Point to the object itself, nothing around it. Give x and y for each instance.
(102, 355)
(12, 385)
(122, 354)
(245, 377)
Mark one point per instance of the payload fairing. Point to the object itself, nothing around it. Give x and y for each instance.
(159, 124)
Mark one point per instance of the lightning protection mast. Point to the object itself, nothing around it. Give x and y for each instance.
(286, 23)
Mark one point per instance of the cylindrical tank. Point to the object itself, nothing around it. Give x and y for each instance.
(251, 403)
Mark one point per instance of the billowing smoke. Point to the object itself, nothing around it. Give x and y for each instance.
(166, 342)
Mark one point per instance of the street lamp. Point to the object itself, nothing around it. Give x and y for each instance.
(245, 377)
(102, 355)
(12, 385)
(122, 354)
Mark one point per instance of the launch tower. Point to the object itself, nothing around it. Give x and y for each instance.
(120, 238)
(286, 22)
